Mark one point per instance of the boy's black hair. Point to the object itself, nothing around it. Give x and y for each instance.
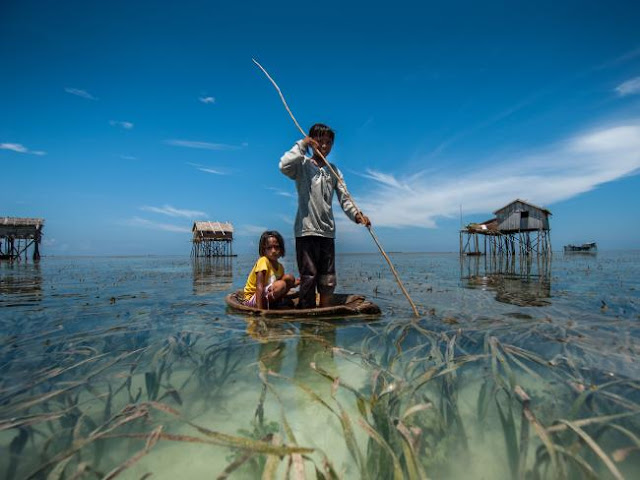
(320, 129)
(263, 241)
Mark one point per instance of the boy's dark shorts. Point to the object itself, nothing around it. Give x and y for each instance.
(316, 262)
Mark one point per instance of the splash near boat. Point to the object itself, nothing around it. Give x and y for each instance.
(343, 305)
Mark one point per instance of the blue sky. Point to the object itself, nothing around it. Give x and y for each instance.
(123, 122)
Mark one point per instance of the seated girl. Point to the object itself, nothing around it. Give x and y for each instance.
(267, 283)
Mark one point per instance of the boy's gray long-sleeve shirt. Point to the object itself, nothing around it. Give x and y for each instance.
(315, 194)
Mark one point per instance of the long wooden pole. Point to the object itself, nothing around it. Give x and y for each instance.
(370, 228)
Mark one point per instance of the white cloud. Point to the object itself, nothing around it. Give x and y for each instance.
(128, 157)
(250, 230)
(211, 170)
(387, 179)
(207, 100)
(202, 145)
(142, 222)
(608, 140)
(125, 125)
(80, 93)
(16, 147)
(202, 168)
(630, 87)
(19, 148)
(560, 172)
(282, 193)
(174, 212)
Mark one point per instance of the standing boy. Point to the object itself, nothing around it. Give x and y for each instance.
(315, 225)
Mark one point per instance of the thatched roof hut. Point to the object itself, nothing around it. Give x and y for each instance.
(212, 239)
(16, 227)
(212, 231)
(18, 234)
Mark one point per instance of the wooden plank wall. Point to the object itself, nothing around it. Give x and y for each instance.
(509, 219)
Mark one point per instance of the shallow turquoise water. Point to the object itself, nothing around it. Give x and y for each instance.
(82, 338)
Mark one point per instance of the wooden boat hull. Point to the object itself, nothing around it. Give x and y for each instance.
(344, 305)
(584, 248)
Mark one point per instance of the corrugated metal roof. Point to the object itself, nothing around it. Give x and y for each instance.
(526, 203)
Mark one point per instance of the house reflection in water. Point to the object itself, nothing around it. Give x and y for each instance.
(20, 284)
(212, 274)
(522, 281)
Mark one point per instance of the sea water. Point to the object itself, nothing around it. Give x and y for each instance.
(132, 366)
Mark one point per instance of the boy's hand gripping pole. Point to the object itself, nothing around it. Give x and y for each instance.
(333, 172)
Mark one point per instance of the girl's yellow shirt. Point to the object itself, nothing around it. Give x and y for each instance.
(262, 265)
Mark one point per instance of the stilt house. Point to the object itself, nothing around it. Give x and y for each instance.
(17, 235)
(519, 227)
(212, 239)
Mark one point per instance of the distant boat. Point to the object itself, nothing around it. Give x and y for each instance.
(584, 248)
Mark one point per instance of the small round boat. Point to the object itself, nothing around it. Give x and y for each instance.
(343, 305)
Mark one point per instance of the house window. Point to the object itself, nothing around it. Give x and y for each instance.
(524, 215)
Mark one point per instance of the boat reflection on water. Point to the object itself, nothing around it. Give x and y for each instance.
(525, 282)
(212, 274)
(20, 284)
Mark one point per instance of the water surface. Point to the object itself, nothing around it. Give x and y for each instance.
(132, 366)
